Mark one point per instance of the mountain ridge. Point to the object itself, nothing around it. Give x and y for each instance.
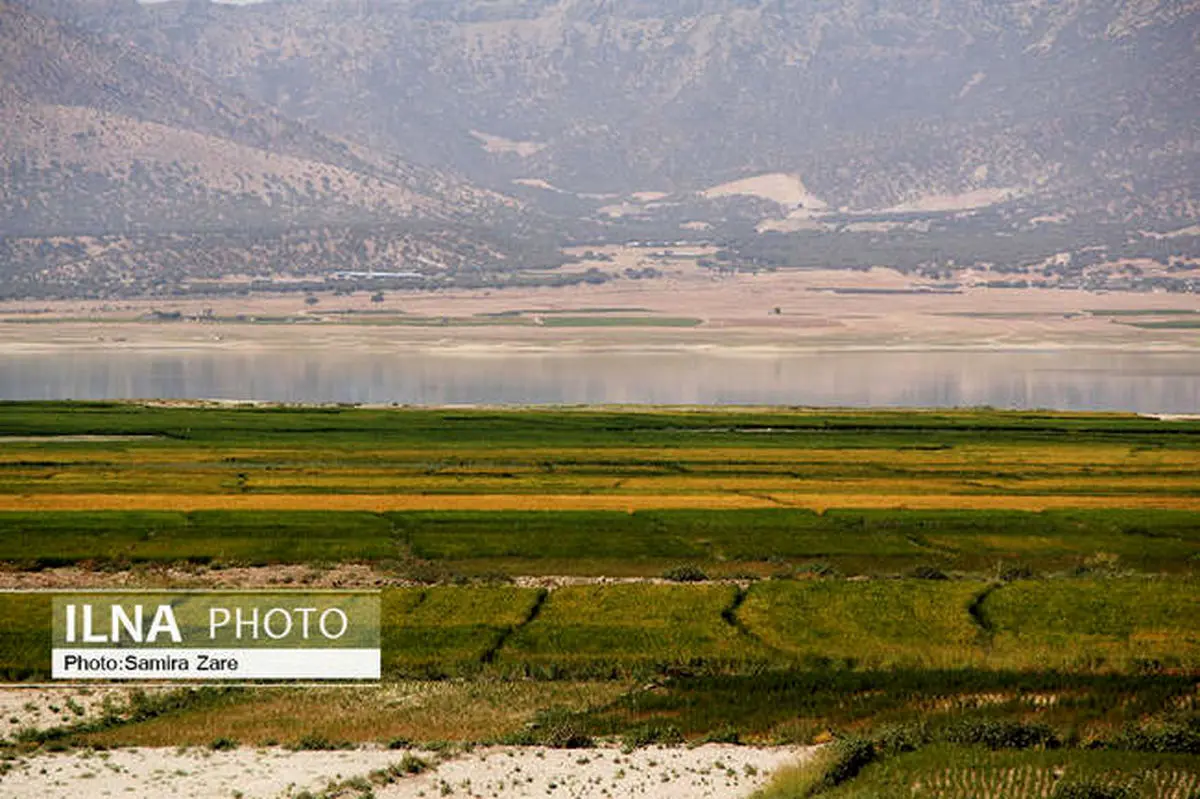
(872, 109)
(492, 130)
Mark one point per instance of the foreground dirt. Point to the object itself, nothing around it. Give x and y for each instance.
(44, 708)
(712, 770)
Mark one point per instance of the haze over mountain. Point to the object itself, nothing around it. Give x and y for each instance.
(615, 118)
(121, 166)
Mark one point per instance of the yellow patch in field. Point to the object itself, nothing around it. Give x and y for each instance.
(375, 502)
(625, 502)
(1108, 484)
(984, 501)
(1017, 460)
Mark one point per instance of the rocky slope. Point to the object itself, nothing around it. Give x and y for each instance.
(901, 121)
(909, 104)
(103, 138)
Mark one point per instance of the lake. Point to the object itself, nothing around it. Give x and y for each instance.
(1066, 380)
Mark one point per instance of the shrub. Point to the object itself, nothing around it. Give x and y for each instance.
(688, 573)
(553, 727)
(1002, 734)
(567, 736)
(1103, 564)
(926, 572)
(1090, 789)
(897, 738)
(1164, 739)
(850, 756)
(411, 764)
(222, 744)
(1015, 572)
(724, 735)
(313, 743)
(652, 734)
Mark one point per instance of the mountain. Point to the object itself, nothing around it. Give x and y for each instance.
(1003, 131)
(105, 140)
(872, 104)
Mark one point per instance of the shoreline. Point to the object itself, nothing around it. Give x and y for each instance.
(185, 338)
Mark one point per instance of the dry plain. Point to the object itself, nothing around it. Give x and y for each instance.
(768, 311)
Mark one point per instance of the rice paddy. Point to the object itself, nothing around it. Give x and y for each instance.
(956, 772)
(1130, 625)
(617, 630)
(628, 542)
(1077, 625)
(450, 631)
(877, 625)
(854, 571)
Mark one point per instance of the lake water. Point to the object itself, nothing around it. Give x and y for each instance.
(1068, 380)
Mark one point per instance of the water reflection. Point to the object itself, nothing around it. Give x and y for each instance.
(1168, 383)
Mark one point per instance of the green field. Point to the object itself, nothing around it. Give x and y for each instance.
(762, 542)
(881, 624)
(616, 630)
(24, 637)
(944, 585)
(959, 772)
(450, 631)
(1130, 625)
(1147, 624)
(335, 430)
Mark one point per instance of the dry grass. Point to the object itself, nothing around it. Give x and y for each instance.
(818, 501)
(374, 502)
(983, 501)
(419, 711)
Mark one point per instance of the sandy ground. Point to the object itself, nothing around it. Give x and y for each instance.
(43, 708)
(504, 772)
(711, 770)
(159, 773)
(666, 773)
(736, 311)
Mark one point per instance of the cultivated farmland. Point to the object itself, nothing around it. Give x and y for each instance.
(1005, 591)
(616, 630)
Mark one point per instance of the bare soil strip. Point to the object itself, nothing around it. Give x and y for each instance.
(703, 772)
